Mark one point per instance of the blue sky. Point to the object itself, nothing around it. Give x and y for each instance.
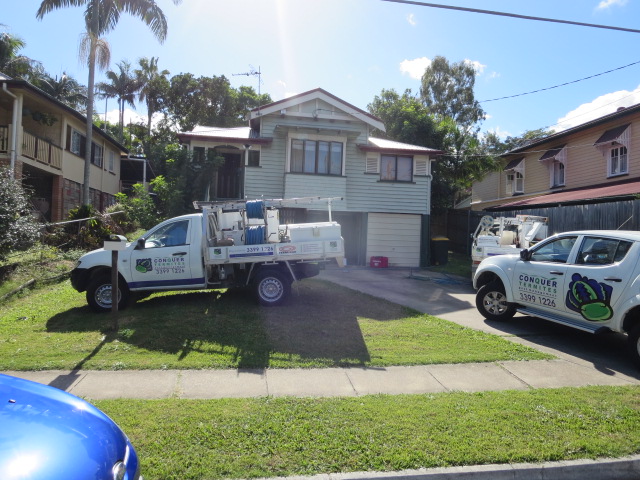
(356, 48)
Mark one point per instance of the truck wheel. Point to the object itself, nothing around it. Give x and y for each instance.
(634, 345)
(272, 287)
(99, 294)
(491, 302)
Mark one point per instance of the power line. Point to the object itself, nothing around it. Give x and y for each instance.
(513, 15)
(560, 85)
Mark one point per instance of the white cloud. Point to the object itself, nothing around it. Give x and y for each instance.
(477, 66)
(415, 68)
(281, 83)
(501, 134)
(411, 19)
(599, 107)
(605, 4)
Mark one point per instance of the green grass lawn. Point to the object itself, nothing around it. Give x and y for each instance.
(266, 437)
(322, 325)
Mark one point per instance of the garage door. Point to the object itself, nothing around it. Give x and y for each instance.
(395, 236)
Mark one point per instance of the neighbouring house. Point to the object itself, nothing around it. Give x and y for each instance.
(45, 142)
(590, 164)
(315, 144)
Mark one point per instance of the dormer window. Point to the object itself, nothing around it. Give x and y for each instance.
(556, 160)
(614, 145)
(515, 177)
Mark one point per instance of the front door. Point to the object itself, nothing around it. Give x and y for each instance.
(170, 258)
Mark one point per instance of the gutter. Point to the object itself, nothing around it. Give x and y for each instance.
(14, 133)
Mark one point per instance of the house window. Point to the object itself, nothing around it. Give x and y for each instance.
(558, 174)
(254, 158)
(515, 183)
(77, 143)
(316, 157)
(97, 155)
(396, 168)
(198, 154)
(112, 161)
(618, 164)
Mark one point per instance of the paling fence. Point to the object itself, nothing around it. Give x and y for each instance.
(621, 215)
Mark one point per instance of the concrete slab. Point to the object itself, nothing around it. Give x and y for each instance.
(127, 384)
(201, 384)
(327, 382)
(393, 380)
(476, 377)
(561, 373)
(61, 379)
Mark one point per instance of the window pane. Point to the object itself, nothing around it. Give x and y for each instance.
(336, 158)
(519, 186)
(387, 168)
(254, 158)
(405, 169)
(296, 155)
(309, 156)
(556, 251)
(323, 157)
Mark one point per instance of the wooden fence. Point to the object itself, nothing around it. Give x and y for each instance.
(621, 215)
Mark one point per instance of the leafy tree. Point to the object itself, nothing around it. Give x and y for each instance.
(100, 17)
(406, 119)
(447, 90)
(139, 207)
(18, 227)
(66, 89)
(123, 85)
(497, 146)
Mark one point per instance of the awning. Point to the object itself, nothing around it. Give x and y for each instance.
(557, 153)
(516, 165)
(612, 136)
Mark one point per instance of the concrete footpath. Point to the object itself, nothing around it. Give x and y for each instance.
(588, 363)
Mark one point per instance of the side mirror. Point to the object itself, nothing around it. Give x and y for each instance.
(525, 255)
(140, 244)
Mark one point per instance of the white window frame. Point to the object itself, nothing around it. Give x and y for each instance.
(76, 142)
(558, 170)
(617, 160)
(112, 161)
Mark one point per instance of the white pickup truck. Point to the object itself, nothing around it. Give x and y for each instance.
(228, 244)
(589, 280)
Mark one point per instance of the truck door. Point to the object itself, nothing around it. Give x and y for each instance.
(170, 259)
(539, 282)
(595, 281)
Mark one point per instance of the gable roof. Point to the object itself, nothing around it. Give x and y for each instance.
(244, 135)
(320, 94)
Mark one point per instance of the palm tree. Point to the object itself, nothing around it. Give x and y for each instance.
(101, 16)
(11, 63)
(66, 90)
(154, 84)
(124, 86)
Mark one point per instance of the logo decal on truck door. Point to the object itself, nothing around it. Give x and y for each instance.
(144, 265)
(589, 298)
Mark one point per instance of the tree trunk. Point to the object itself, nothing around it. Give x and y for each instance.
(86, 191)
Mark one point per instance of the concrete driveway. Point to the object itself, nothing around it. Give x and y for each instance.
(453, 298)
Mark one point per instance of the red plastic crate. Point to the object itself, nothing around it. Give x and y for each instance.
(379, 262)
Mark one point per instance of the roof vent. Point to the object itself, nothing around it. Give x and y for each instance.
(620, 109)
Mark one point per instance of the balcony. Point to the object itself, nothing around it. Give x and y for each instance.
(33, 147)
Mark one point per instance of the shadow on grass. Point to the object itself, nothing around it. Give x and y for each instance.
(318, 323)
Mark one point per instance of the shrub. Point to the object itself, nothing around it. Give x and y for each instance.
(17, 224)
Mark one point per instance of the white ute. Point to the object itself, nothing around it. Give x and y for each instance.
(589, 280)
(230, 244)
(506, 235)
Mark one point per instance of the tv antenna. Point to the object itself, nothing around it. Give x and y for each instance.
(252, 73)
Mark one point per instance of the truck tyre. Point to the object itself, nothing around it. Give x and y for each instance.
(99, 294)
(634, 345)
(491, 302)
(272, 287)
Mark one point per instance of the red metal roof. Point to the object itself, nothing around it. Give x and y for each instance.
(580, 195)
